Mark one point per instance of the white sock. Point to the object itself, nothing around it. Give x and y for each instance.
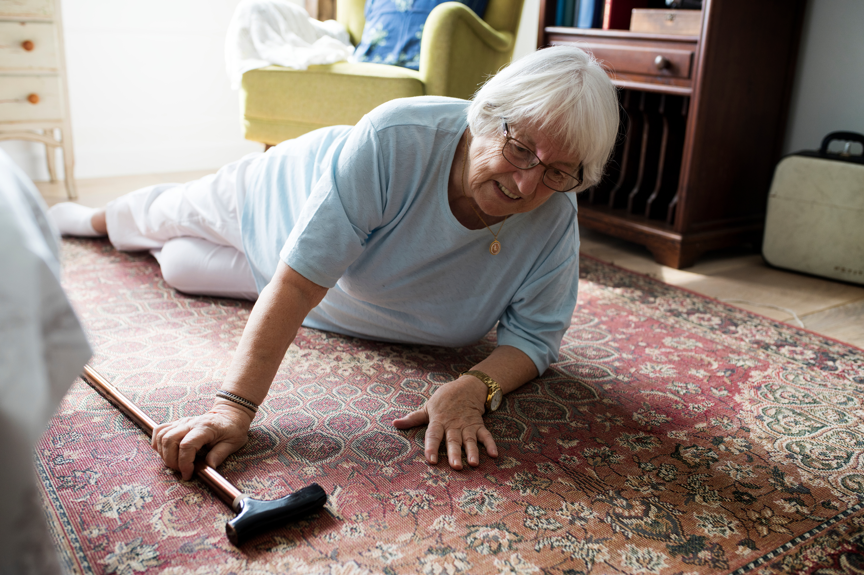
(73, 219)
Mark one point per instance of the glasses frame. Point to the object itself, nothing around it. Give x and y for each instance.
(538, 162)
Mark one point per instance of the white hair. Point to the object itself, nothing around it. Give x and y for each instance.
(561, 91)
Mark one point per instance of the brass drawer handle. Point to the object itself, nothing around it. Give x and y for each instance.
(32, 98)
(28, 45)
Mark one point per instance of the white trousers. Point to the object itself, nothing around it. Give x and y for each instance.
(192, 229)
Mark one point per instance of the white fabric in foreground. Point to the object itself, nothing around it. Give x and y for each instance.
(265, 32)
(42, 350)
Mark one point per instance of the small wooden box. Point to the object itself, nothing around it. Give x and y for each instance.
(653, 21)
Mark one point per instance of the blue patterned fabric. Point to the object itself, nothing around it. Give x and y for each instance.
(394, 28)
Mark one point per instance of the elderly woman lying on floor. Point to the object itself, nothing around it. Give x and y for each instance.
(428, 222)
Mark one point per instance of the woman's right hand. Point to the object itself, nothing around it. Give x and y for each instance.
(224, 429)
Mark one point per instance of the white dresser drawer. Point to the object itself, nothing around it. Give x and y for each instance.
(28, 46)
(27, 8)
(14, 91)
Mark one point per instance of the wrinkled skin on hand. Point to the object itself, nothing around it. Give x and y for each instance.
(454, 414)
(224, 429)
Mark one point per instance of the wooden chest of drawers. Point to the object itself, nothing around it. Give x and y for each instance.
(34, 103)
(702, 125)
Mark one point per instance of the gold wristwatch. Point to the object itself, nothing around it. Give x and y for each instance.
(495, 396)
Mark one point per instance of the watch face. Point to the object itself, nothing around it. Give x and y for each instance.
(497, 398)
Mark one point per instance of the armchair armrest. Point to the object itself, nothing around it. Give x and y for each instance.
(459, 51)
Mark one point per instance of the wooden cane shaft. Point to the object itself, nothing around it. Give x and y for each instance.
(209, 476)
(123, 403)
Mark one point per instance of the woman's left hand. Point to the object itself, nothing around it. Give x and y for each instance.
(455, 413)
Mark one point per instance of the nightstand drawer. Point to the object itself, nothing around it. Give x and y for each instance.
(27, 8)
(648, 61)
(28, 46)
(14, 94)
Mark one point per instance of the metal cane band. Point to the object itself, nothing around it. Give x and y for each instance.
(237, 399)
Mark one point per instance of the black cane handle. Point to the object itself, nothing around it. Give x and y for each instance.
(255, 516)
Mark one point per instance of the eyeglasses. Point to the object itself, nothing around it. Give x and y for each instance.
(524, 158)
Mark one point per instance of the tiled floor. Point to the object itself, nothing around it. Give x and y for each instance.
(741, 278)
(737, 276)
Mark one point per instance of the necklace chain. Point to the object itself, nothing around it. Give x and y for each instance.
(495, 246)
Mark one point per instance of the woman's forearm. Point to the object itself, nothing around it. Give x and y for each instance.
(508, 366)
(271, 328)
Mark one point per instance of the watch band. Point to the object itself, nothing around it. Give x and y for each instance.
(491, 384)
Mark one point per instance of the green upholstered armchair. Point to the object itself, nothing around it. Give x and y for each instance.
(458, 52)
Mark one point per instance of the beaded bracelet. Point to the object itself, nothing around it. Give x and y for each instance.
(237, 399)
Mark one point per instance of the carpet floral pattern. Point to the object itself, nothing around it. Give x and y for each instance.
(676, 435)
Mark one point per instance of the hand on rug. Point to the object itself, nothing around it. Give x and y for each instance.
(224, 429)
(455, 413)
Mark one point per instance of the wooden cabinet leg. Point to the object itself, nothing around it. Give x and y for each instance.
(674, 256)
(683, 255)
(69, 167)
(71, 190)
(51, 160)
(677, 257)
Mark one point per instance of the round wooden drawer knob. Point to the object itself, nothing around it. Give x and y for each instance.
(28, 45)
(33, 98)
(661, 62)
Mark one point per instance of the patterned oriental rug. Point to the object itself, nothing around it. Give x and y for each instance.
(677, 435)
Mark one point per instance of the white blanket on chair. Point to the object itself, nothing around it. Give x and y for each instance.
(265, 32)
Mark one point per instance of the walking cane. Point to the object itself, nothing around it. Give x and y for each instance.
(254, 516)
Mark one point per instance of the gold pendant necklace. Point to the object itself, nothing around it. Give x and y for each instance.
(495, 246)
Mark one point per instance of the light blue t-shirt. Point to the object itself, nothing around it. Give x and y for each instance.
(364, 211)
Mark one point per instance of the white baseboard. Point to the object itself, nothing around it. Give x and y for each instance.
(105, 161)
(185, 156)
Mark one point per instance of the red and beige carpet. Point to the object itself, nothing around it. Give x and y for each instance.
(677, 435)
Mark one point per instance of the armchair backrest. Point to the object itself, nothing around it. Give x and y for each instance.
(350, 14)
(501, 15)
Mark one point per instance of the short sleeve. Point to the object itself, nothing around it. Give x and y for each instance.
(541, 310)
(345, 207)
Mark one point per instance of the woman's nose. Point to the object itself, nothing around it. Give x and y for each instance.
(529, 180)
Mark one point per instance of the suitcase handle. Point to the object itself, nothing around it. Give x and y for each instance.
(841, 137)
